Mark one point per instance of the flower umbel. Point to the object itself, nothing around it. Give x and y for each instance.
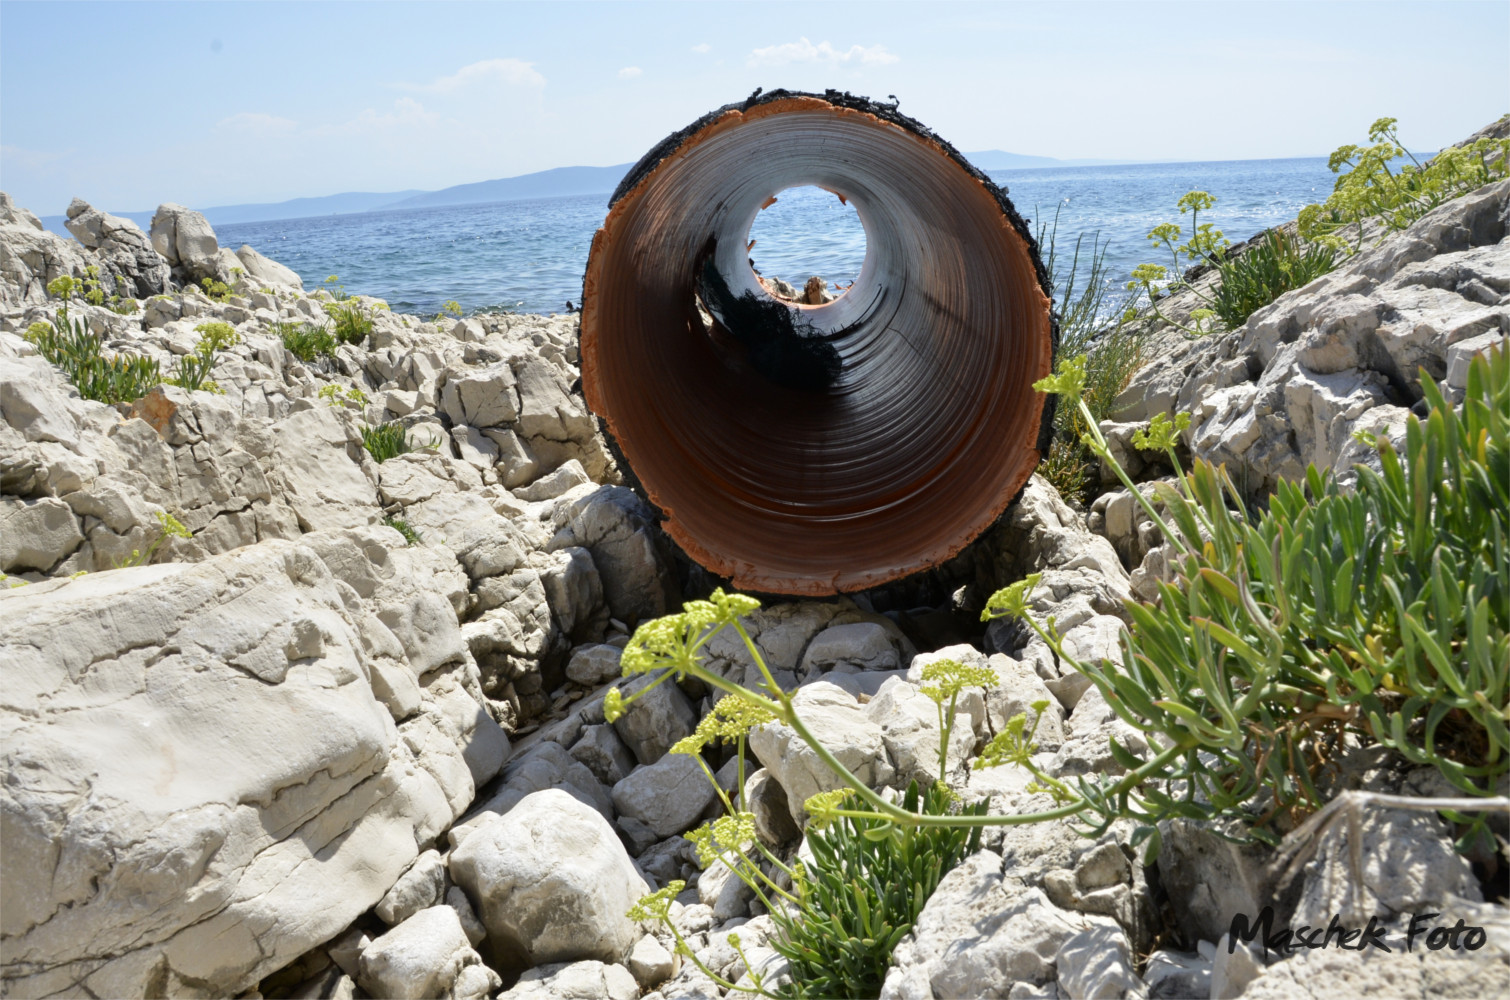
(657, 905)
(1069, 382)
(613, 705)
(730, 719)
(671, 642)
(945, 679)
(1011, 601)
(1014, 744)
(823, 808)
(727, 833)
(1161, 432)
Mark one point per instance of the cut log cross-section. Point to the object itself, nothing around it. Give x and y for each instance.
(816, 450)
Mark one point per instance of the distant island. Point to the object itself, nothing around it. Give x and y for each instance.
(559, 182)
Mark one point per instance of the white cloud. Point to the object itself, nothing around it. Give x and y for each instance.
(407, 114)
(804, 51)
(629, 72)
(512, 72)
(702, 48)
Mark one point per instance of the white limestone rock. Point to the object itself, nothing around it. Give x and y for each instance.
(669, 796)
(1335, 974)
(767, 801)
(480, 398)
(1173, 974)
(554, 484)
(656, 720)
(909, 722)
(1408, 866)
(841, 725)
(616, 527)
(552, 883)
(264, 271)
(980, 933)
(1097, 964)
(421, 957)
(546, 765)
(31, 257)
(650, 963)
(152, 842)
(129, 266)
(851, 648)
(585, 980)
(470, 925)
(420, 887)
(36, 534)
(1289, 387)
(593, 664)
(315, 450)
(602, 752)
(184, 238)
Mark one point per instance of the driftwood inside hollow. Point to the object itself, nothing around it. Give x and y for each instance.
(815, 450)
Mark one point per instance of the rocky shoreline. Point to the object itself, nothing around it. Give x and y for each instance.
(346, 737)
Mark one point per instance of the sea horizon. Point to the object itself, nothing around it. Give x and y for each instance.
(529, 255)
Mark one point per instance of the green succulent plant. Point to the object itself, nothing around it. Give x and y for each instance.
(1381, 613)
(306, 341)
(1277, 263)
(390, 440)
(68, 343)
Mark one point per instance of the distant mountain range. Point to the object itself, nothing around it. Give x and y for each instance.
(995, 159)
(557, 183)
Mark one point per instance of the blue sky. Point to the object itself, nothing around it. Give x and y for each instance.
(132, 104)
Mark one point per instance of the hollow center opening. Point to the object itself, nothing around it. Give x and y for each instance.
(807, 245)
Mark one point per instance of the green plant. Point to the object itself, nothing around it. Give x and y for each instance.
(1067, 467)
(868, 882)
(305, 341)
(93, 293)
(1275, 264)
(450, 308)
(336, 289)
(336, 395)
(68, 343)
(389, 440)
(1381, 614)
(1081, 307)
(1369, 191)
(171, 528)
(351, 323)
(62, 288)
(218, 291)
(193, 369)
(840, 919)
(411, 536)
(1333, 619)
(1113, 350)
(1206, 245)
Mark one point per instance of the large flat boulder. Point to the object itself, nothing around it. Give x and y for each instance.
(201, 783)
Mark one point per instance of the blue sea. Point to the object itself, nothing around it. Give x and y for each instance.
(529, 256)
